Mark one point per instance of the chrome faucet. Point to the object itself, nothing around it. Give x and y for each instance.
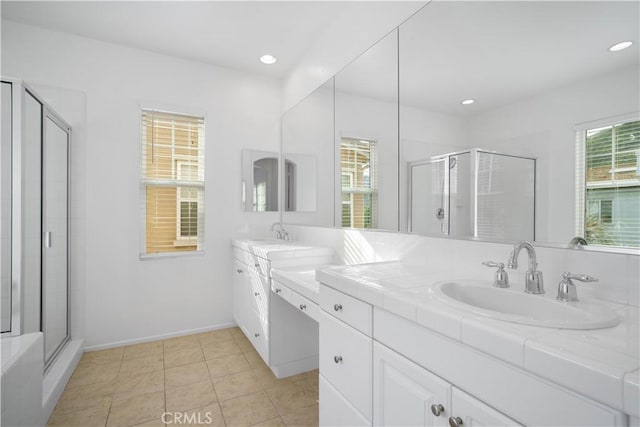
(281, 232)
(533, 277)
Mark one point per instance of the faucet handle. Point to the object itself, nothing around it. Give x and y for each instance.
(580, 277)
(501, 278)
(567, 289)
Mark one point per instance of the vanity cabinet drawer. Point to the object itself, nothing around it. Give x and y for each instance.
(345, 361)
(280, 290)
(346, 308)
(305, 305)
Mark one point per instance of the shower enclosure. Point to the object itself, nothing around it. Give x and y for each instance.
(34, 254)
(473, 193)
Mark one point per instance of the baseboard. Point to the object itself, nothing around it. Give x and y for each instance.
(158, 337)
(58, 375)
(296, 367)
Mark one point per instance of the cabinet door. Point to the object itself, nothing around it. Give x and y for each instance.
(474, 413)
(336, 410)
(404, 392)
(241, 295)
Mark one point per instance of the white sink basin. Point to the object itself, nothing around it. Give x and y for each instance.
(513, 305)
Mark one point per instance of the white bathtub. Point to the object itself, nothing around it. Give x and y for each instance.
(21, 358)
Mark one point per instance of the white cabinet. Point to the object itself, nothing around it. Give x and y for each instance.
(404, 393)
(285, 338)
(407, 394)
(336, 410)
(346, 355)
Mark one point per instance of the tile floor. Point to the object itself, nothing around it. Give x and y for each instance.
(216, 378)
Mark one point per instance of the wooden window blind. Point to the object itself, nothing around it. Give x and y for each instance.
(172, 182)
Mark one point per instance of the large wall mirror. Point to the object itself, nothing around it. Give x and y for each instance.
(518, 122)
(307, 147)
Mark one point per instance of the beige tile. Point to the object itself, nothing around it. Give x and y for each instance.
(142, 350)
(288, 397)
(265, 377)
(276, 422)
(248, 410)
(148, 382)
(235, 331)
(89, 417)
(183, 356)
(141, 365)
(92, 374)
(235, 385)
(222, 348)
(307, 379)
(242, 341)
(102, 357)
(187, 374)
(254, 359)
(219, 335)
(184, 397)
(136, 409)
(307, 416)
(88, 396)
(209, 415)
(153, 423)
(225, 365)
(187, 341)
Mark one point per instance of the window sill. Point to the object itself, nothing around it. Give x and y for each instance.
(169, 255)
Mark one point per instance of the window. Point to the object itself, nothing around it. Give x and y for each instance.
(172, 182)
(608, 183)
(358, 179)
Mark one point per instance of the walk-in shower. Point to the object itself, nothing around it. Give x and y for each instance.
(34, 250)
(473, 193)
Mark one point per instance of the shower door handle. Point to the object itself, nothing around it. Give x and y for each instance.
(48, 239)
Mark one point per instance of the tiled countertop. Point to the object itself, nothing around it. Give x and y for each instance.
(601, 364)
(279, 249)
(300, 279)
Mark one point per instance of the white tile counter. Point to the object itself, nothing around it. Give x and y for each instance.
(601, 364)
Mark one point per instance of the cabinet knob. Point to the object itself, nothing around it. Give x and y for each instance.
(437, 409)
(455, 422)
(256, 294)
(257, 265)
(337, 359)
(302, 306)
(239, 271)
(337, 307)
(278, 290)
(256, 335)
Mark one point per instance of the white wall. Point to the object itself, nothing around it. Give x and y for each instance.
(125, 298)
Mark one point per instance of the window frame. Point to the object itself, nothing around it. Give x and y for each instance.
(372, 190)
(580, 178)
(154, 107)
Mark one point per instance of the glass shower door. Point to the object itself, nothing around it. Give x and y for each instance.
(55, 235)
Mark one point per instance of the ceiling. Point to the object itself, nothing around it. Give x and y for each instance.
(232, 34)
(495, 52)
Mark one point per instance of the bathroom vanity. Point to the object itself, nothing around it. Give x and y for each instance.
(286, 340)
(393, 353)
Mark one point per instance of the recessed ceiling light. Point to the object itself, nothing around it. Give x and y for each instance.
(619, 46)
(268, 59)
(468, 101)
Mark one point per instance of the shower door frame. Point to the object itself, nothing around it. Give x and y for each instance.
(49, 113)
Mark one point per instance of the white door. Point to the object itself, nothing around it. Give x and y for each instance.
(405, 394)
(474, 413)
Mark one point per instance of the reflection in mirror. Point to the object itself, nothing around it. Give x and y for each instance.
(259, 181)
(474, 193)
(300, 182)
(558, 96)
(307, 144)
(5, 207)
(366, 134)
